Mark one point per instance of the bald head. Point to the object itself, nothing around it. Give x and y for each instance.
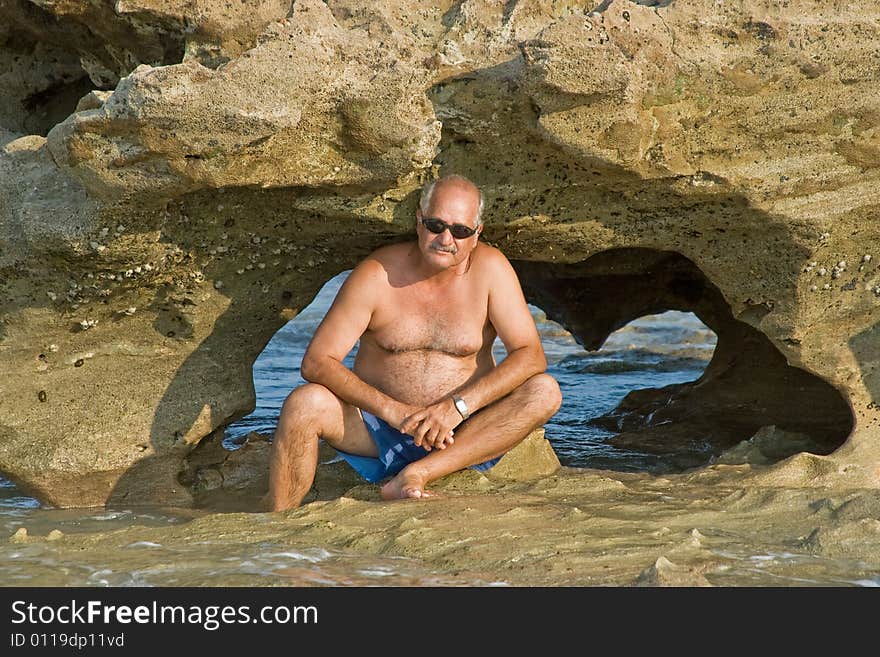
(452, 183)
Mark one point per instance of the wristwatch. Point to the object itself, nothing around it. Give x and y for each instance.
(461, 407)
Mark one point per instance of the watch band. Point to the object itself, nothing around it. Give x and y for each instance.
(461, 407)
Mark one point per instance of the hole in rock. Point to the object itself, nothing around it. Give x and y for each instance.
(277, 368)
(749, 405)
(47, 107)
(12, 500)
(52, 56)
(42, 85)
(665, 349)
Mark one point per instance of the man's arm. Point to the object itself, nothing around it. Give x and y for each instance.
(513, 322)
(342, 326)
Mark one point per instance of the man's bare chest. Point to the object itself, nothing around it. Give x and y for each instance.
(456, 326)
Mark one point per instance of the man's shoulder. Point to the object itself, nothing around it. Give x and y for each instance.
(387, 257)
(491, 253)
(375, 267)
(491, 259)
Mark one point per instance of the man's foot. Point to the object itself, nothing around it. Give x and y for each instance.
(408, 483)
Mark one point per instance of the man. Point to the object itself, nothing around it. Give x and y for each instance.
(425, 397)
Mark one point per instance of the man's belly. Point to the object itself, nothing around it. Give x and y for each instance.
(418, 377)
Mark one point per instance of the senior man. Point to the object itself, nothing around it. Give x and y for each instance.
(425, 396)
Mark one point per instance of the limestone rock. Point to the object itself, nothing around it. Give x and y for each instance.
(844, 539)
(665, 573)
(20, 536)
(768, 445)
(281, 115)
(533, 458)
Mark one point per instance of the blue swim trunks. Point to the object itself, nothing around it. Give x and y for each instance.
(396, 450)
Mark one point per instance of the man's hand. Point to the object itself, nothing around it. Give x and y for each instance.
(432, 427)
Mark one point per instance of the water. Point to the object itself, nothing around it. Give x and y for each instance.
(12, 501)
(651, 352)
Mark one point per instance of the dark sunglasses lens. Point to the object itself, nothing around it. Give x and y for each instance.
(434, 225)
(459, 231)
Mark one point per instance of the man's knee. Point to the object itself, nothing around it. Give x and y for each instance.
(311, 400)
(544, 390)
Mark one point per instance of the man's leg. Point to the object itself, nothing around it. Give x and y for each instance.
(490, 433)
(310, 412)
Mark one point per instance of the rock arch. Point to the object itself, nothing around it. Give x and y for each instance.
(747, 385)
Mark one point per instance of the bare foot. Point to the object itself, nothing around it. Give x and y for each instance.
(409, 483)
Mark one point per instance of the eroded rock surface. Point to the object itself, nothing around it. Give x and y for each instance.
(214, 178)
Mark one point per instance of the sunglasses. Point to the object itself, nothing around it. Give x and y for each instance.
(459, 231)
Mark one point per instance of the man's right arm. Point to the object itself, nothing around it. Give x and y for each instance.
(345, 322)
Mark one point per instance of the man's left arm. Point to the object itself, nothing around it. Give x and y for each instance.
(509, 314)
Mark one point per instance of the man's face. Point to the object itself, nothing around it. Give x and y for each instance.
(453, 205)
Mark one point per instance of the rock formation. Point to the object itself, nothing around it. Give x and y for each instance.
(177, 180)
